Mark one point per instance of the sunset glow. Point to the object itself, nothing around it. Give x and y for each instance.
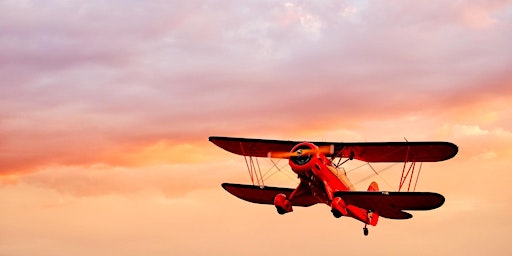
(106, 109)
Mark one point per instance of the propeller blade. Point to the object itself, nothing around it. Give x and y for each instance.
(327, 150)
(282, 154)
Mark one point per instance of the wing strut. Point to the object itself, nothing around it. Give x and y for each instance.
(253, 168)
(417, 177)
(410, 171)
(409, 175)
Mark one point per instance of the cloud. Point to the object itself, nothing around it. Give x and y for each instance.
(478, 143)
(170, 180)
(105, 83)
(107, 105)
(468, 130)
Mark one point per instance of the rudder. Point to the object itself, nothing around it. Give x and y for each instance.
(373, 186)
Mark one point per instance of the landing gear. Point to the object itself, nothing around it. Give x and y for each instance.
(338, 207)
(365, 230)
(337, 214)
(282, 204)
(280, 210)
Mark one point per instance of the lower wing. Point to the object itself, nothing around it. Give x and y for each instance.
(391, 205)
(266, 195)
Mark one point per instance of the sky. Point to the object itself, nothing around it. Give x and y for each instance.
(106, 108)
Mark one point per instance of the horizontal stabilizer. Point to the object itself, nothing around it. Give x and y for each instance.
(391, 205)
(266, 195)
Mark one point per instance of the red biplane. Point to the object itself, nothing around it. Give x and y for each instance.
(323, 181)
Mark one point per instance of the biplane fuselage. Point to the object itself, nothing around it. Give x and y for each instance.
(322, 182)
(321, 179)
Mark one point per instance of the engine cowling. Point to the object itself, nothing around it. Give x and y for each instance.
(304, 157)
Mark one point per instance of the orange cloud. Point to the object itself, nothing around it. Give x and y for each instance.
(171, 180)
(163, 152)
(126, 93)
(108, 106)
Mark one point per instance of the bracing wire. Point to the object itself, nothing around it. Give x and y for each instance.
(279, 170)
(375, 173)
(382, 178)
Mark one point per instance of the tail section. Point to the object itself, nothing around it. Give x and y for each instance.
(372, 216)
(373, 186)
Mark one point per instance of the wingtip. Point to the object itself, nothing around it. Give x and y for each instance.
(442, 199)
(455, 149)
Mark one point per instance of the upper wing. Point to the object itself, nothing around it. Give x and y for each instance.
(266, 195)
(427, 151)
(391, 204)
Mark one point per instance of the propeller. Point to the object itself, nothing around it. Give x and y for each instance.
(329, 149)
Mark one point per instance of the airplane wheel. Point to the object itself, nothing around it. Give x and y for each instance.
(280, 210)
(336, 213)
(365, 231)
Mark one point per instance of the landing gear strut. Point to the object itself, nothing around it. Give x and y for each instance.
(365, 230)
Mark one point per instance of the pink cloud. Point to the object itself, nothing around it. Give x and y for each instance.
(92, 85)
(105, 110)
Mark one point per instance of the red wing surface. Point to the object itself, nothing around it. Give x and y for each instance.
(424, 151)
(253, 147)
(266, 195)
(392, 204)
(427, 151)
